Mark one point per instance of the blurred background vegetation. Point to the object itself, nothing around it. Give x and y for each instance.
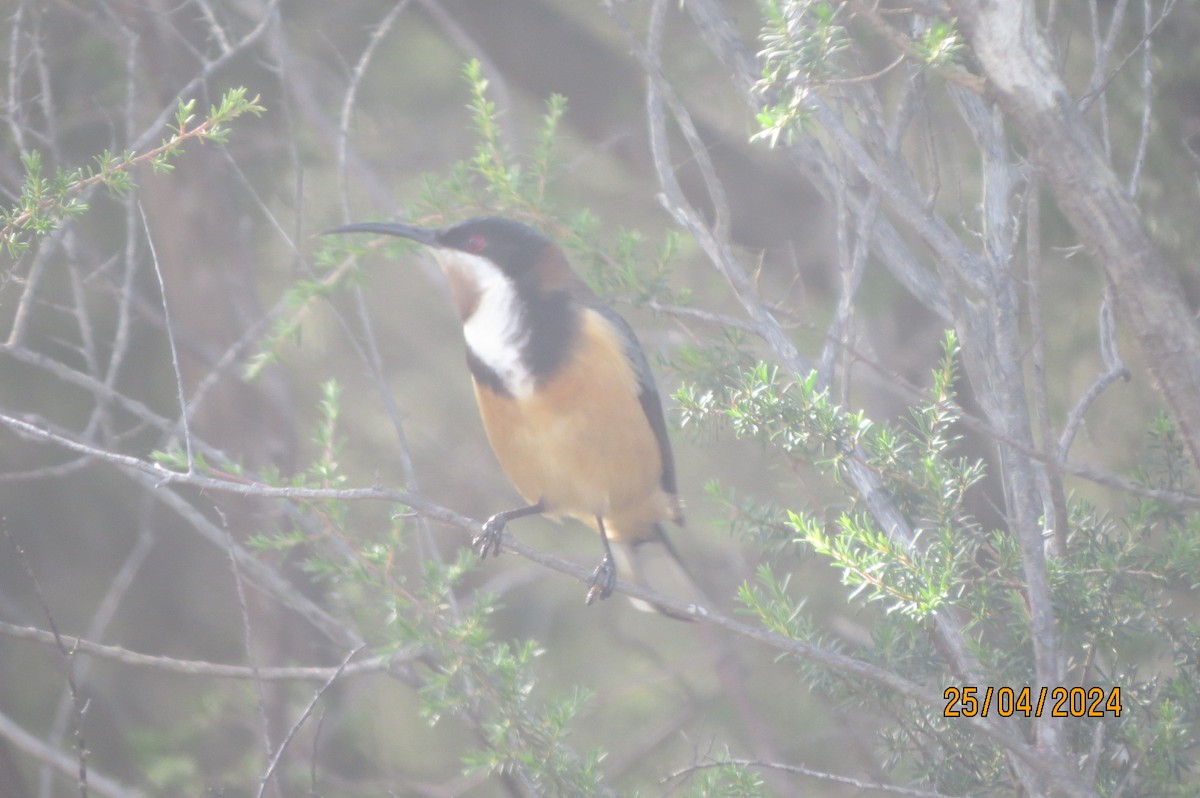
(333, 366)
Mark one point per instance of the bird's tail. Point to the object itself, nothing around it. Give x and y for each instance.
(654, 563)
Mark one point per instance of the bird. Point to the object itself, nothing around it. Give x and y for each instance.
(566, 395)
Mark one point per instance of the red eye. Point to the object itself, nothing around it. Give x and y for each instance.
(476, 243)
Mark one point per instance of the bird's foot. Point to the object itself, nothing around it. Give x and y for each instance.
(490, 537)
(603, 580)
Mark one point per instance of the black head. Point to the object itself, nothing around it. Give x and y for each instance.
(528, 294)
(514, 247)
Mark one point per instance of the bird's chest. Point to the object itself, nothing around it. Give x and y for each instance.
(579, 439)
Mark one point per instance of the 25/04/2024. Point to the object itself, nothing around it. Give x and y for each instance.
(1064, 702)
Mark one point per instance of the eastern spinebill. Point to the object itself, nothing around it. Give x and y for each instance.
(566, 395)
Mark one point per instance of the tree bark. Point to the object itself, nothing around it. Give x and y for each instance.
(1022, 76)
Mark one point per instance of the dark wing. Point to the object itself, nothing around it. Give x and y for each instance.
(647, 394)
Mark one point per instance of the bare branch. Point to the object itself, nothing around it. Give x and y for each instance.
(78, 702)
(395, 663)
(1053, 494)
(801, 770)
(162, 287)
(1143, 145)
(348, 101)
(106, 609)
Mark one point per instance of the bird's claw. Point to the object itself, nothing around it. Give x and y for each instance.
(603, 580)
(490, 537)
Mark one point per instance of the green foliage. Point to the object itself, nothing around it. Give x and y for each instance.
(766, 524)
(495, 180)
(491, 681)
(801, 40)
(45, 202)
(626, 272)
(915, 461)
(1112, 594)
(42, 205)
(728, 780)
(769, 600)
(325, 469)
(1116, 596)
(807, 47)
(940, 43)
(795, 417)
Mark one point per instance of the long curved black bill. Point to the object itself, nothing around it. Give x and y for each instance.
(422, 235)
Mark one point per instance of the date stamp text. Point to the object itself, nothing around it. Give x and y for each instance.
(1032, 702)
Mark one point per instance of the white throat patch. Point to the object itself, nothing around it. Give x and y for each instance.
(495, 331)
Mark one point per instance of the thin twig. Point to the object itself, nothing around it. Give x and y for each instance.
(266, 777)
(247, 632)
(162, 287)
(124, 299)
(269, 15)
(360, 70)
(1143, 144)
(214, 26)
(801, 770)
(1085, 401)
(1114, 369)
(1085, 101)
(22, 316)
(394, 663)
(1103, 49)
(1053, 491)
(79, 703)
(106, 609)
(16, 114)
(497, 83)
(47, 472)
(704, 316)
